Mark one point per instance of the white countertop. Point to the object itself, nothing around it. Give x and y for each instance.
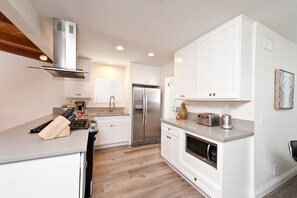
(215, 133)
(17, 144)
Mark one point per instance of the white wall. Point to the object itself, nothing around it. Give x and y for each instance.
(239, 110)
(26, 94)
(166, 70)
(271, 137)
(111, 73)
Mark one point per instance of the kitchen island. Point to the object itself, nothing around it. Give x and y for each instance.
(32, 167)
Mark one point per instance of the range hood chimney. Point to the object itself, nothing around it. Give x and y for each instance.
(64, 46)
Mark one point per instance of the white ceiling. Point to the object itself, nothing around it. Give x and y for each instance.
(159, 26)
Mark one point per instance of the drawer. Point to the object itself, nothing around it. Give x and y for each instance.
(121, 119)
(171, 129)
(103, 120)
(206, 186)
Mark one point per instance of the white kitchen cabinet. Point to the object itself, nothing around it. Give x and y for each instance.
(185, 72)
(104, 135)
(218, 65)
(60, 176)
(80, 88)
(230, 179)
(113, 131)
(170, 145)
(205, 65)
(145, 74)
(224, 61)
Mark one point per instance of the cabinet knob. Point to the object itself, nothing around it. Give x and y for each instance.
(195, 178)
(214, 94)
(168, 129)
(209, 94)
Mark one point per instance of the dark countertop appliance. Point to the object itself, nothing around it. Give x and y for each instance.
(80, 106)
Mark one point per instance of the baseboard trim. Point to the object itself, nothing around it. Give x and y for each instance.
(110, 145)
(275, 183)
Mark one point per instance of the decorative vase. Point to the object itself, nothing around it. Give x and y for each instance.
(183, 112)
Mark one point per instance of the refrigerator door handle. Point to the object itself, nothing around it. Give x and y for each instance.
(143, 107)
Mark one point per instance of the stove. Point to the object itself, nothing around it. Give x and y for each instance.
(83, 123)
(80, 124)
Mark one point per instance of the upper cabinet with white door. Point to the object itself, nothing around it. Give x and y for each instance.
(184, 72)
(223, 63)
(80, 88)
(145, 74)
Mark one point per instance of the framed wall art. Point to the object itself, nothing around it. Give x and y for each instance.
(283, 90)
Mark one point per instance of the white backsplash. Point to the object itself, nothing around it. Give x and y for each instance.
(239, 110)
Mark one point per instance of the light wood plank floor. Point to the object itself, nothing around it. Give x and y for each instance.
(287, 190)
(137, 172)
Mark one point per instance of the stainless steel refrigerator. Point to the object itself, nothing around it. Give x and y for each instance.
(146, 115)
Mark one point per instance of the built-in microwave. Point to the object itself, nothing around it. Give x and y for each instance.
(202, 149)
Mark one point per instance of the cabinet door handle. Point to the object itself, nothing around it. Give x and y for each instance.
(207, 152)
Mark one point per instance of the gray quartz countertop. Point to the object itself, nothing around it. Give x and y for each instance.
(214, 133)
(108, 114)
(16, 144)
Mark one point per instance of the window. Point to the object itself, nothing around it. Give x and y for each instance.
(106, 88)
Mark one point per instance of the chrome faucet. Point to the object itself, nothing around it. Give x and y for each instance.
(113, 104)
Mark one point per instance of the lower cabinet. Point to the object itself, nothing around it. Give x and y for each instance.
(170, 145)
(229, 179)
(58, 176)
(113, 131)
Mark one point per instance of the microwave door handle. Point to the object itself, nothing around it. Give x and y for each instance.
(207, 152)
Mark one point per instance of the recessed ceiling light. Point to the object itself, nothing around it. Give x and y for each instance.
(151, 54)
(43, 57)
(110, 62)
(120, 48)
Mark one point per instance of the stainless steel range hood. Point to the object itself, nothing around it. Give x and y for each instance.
(64, 36)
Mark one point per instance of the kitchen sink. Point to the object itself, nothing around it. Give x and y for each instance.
(110, 113)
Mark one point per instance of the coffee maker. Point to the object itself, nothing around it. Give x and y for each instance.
(80, 106)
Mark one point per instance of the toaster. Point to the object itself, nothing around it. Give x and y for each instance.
(208, 119)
